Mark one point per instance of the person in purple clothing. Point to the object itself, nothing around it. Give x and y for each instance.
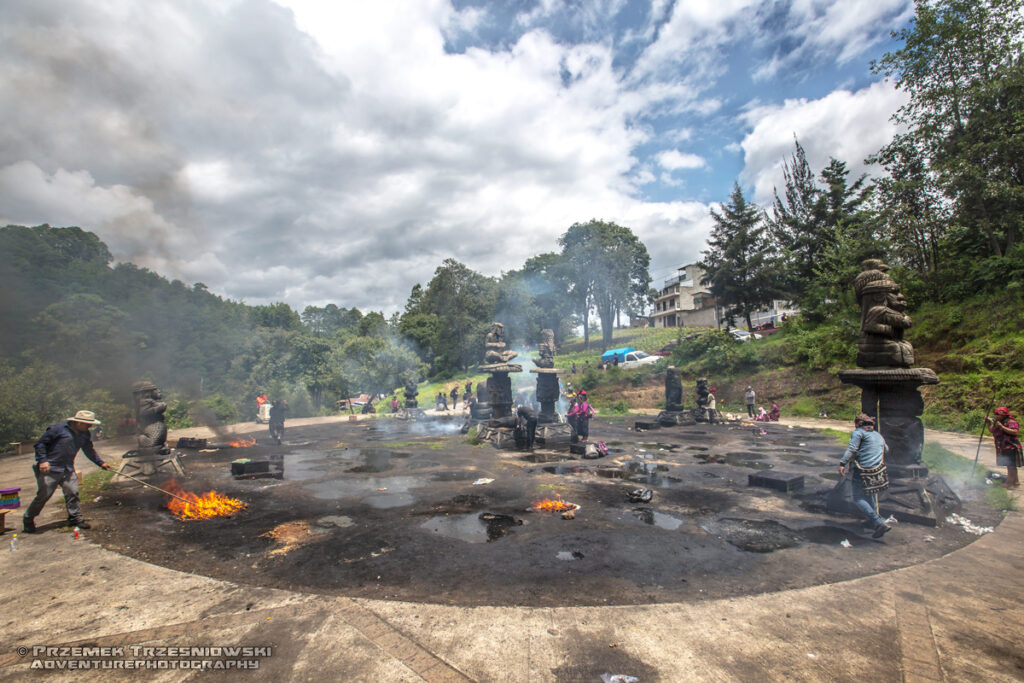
(582, 412)
(55, 466)
(1006, 432)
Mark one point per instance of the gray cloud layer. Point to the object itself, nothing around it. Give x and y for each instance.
(335, 151)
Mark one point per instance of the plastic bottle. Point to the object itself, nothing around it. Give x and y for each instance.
(14, 542)
(78, 534)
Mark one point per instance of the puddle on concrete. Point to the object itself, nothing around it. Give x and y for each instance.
(830, 535)
(498, 525)
(545, 457)
(606, 472)
(569, 555)
(736, 459)
(456, 475)
(635, 467)
(473, 527)
(422, 464)
(656, 481)
(660, 446)
(658, 519)
(754, 535)
(376, 460)
(386, 501)
(305, 465)
(351, 487)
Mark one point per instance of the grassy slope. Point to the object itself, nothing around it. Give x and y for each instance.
(976, 347)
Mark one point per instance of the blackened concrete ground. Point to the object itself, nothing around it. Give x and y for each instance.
(955, 617)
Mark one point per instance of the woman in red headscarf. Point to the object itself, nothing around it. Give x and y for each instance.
(1006, 431)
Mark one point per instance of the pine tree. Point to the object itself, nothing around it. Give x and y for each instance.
(738, 265)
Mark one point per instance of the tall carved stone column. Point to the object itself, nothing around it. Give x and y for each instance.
(889, 392)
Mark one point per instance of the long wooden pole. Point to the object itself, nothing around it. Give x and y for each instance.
(146, 483)
(981, 437)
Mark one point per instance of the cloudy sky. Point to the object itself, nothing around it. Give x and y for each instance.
(313, 152)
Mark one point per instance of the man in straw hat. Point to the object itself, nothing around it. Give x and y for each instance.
(866, 453)
(55, 466)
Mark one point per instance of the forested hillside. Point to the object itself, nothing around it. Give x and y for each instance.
(77, 330)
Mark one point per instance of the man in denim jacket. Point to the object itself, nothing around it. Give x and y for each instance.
(867, 448)
(55, 466)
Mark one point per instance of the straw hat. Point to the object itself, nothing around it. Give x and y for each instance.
(85, 416)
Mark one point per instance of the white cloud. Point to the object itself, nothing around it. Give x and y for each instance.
(674, 160)
(846, 125)
(317, 152)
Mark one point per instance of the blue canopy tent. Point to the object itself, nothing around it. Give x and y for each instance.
(607, 356)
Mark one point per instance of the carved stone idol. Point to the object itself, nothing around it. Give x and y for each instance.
(548, 392)
(882, 319)
(547, 350)
(494, 345)
(673, 413)
(149, 415)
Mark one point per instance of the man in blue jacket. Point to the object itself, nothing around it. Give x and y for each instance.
(867, 452)
(55, 466)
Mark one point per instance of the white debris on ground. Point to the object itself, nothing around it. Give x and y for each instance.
(891, 519)
(968, 526)
(929, 539)
(619, 678)
(846, 543)
(482, 481)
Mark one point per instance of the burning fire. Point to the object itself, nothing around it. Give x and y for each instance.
(242, 443)
(550, 505)
(210, 504)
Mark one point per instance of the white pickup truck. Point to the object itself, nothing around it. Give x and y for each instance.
(635, 359)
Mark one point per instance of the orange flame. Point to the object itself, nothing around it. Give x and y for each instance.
(550, 505)
(210, 504)
(242, 443)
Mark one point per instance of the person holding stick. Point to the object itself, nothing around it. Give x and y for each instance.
(55, 466)
(1006, 432)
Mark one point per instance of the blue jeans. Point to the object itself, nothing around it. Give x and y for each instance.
(46, 486)
(864, 504)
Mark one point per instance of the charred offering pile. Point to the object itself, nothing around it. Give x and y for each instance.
(409, 510)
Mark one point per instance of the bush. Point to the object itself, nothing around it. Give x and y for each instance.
(827, 346)
(716, 353)
(618, 408)
(179, 414)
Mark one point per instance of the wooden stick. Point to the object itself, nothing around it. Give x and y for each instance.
(981, 437)
(146, 483)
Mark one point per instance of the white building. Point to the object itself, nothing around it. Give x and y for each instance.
(684, 302)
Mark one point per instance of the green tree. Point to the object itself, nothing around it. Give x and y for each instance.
(608, 268)
(463, 303)
(738, 264)
(310, 363)
(961, 65)
(378, 364)
(545, 277)
(277, 315)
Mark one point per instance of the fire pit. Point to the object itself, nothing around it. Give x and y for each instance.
(189, 507)
(413, 511)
